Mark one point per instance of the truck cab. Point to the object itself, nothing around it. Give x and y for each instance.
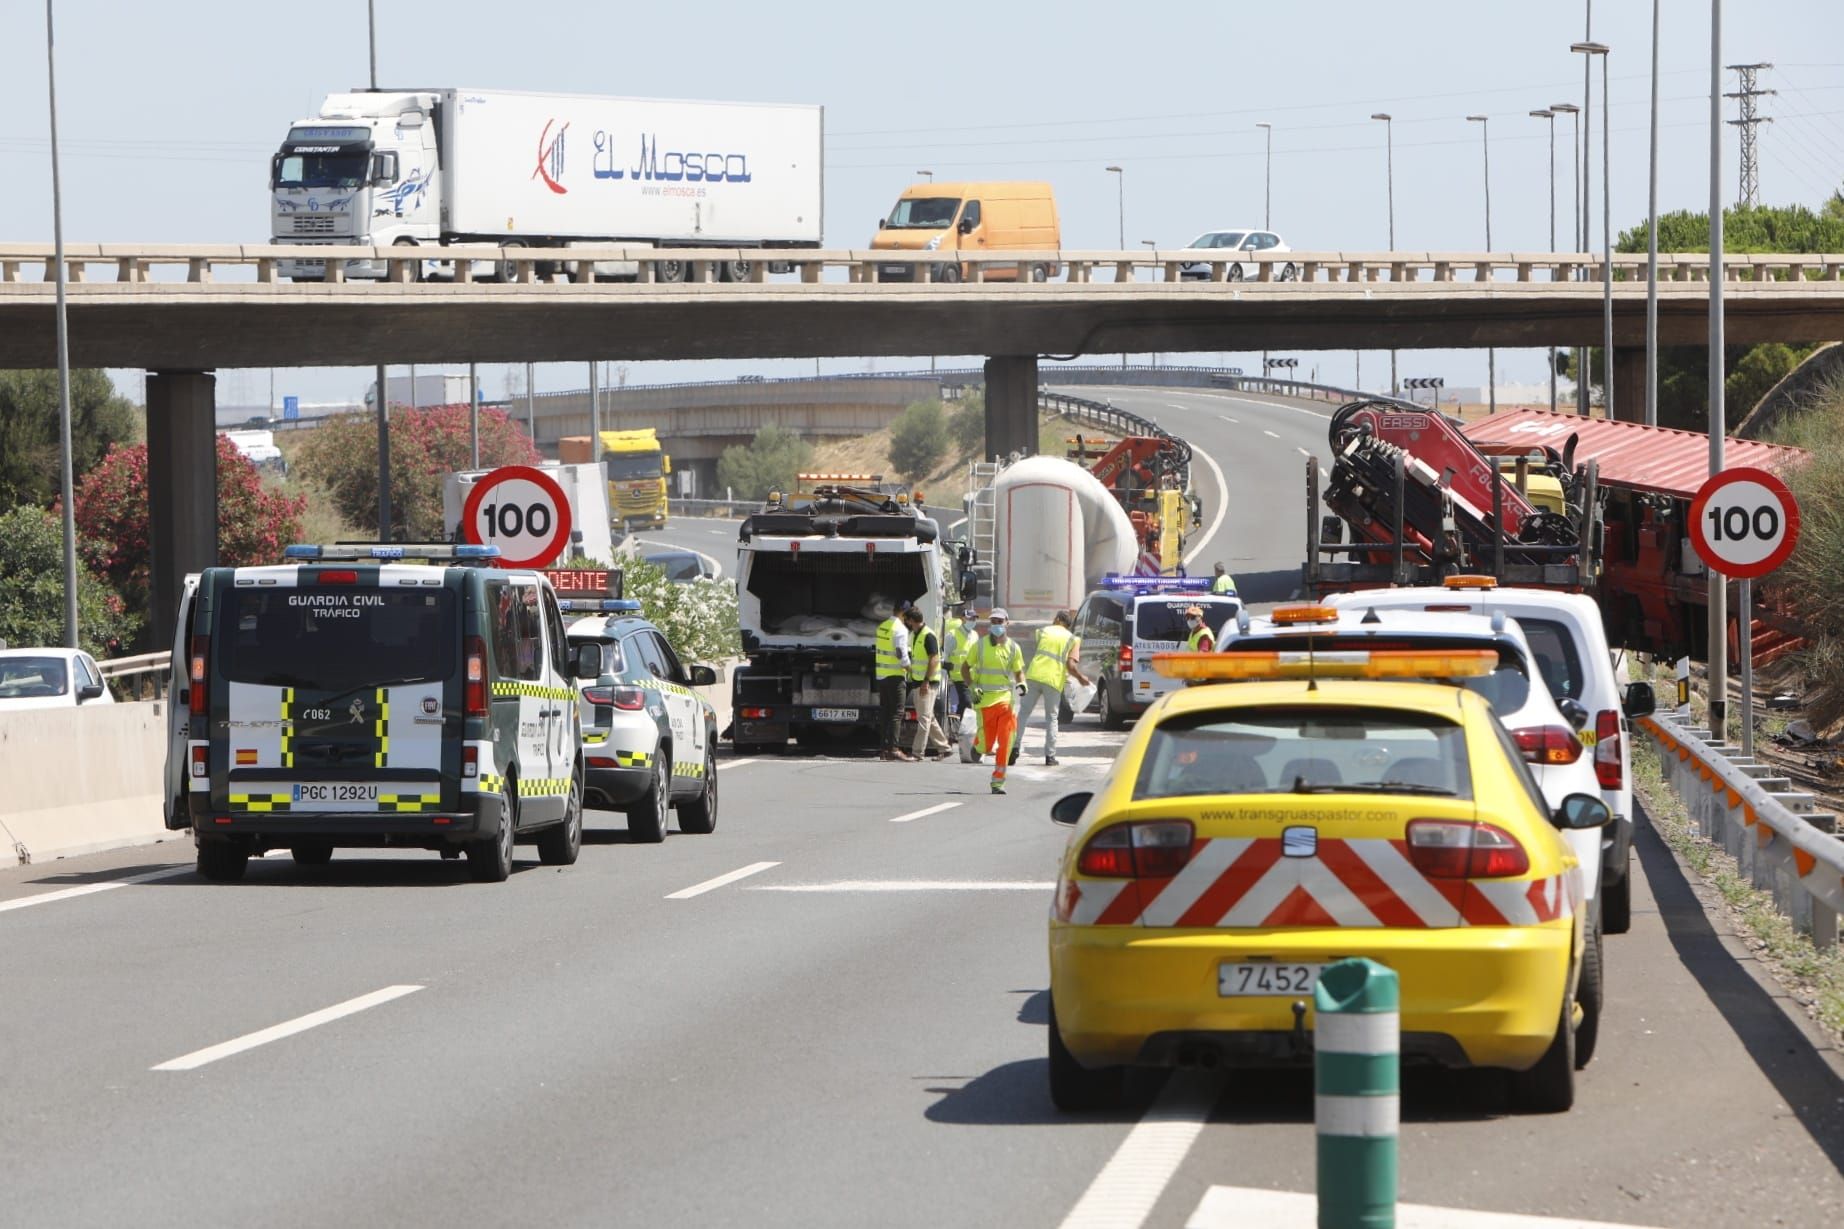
(637, 467)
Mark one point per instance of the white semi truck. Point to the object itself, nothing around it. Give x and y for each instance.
(431, 167)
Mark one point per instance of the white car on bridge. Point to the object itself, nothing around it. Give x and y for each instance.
(49, 678)
(1246, 240)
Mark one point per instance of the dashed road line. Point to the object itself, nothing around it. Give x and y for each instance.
(90, 889)
(925, 812)
(911, 885)
(1124, 1192)
(711, 885)
(288, 1028)
(1303, 452)
(1273, 435)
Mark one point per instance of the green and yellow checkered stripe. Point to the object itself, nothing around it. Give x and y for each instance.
(538, 787)
(661, 685)
(509, 687)
(288, 727)
(408, 802)
(694, 770)
(594, 738)
(381, 728)
(633, 759)
(263, 802)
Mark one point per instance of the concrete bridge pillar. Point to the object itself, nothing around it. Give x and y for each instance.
(182, 488)
(1629, 383)
(1011, 405)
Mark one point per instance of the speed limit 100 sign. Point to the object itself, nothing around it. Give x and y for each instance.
(521, 510)
(1744, 523)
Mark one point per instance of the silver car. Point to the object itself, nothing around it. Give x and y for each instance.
(1241, 270)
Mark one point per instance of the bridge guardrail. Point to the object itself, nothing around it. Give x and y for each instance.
(1119, 422)
(203, 263)
(148, 674)
(1772, 832)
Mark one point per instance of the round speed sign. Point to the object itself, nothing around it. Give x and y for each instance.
(521, 510)
(1744, 523)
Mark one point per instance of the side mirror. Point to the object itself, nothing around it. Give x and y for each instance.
(966, 226)
(1640, 700)
(882, 222)
(703, 676)
(1068, 809)
(1332, 530)
(1581, 811)
(1574, 710)
(588, 661)
(969, 585)
(89, 691)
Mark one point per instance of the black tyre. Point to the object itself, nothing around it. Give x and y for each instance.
(1073, 1087)
(489, 859)
(223, 861)
(416, 266)
(648, 816)
(699, 815)
(734, 270)
(1549, 1087)
(1039, 273)
(948, 273)
(559, 845)
(1591, 994)
(313, 853)
(1235, 272)
(1289, 273)
(1111, 718)
(671, 272)
(1617, 902)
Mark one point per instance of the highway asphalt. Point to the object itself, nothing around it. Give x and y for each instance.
(831, 1011)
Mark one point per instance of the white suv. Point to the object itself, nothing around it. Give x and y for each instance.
(1531, 716)
(1566, 635)
(1264, 241)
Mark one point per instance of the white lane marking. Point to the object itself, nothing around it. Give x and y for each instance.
(90, 889)
(1227, 418)
(1273, 435)
(1236, 1207)
(1124, 1192)
(1302, 451)
(925, 812)
(729, 764)
(711, 885)
(957, 524)
(1216, 522)
(912, 885)
(300, 1024)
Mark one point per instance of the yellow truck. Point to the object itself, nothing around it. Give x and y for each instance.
(636, 467)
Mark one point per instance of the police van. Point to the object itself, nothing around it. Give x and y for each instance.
(367, 696)
(1130, 618)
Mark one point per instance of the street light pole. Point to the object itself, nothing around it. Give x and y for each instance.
(1491, 353)
(1389, 193)
(1607, 382)
(929, 175)
(1718, 696)
(1551, 117)
(1267, 182)
(1575, 236)
(1652, 244)
(65, 480)
(1120, 181)
(371, 29)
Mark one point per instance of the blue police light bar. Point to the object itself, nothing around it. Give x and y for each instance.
(1157, 584)
(605, 605)
(362, 550)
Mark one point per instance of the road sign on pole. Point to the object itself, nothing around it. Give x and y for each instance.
(521, 510)
(1744, 523)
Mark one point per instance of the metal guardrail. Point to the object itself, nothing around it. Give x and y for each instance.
(204, 263)
(1119, 422)
(1772, 831)
(148, 673)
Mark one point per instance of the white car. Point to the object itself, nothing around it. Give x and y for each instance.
(1570, 642)
(1245, 240)
(49, 678)
(1543, 737)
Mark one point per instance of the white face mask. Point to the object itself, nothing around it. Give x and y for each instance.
(998, 631)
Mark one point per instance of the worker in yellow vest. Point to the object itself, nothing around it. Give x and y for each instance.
(925, 685)
(960, 639)
(995, 670)
(1201, 639)
(891, 667)
(1051, 666)
(1223, 582)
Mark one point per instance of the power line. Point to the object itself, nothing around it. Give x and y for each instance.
(1750, 194)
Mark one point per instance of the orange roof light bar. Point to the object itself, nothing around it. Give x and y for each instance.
(1350, 664)
(1286, 616)
(1471, 582)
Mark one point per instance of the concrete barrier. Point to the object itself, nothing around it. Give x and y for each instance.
(80, 780)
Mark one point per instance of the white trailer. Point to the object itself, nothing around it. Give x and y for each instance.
(440, 166)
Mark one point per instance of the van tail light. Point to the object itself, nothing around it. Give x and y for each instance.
(1149, 849)
(198, 694)
(201, 766)
(1548, 744)
(1607, 748)
(1126, 659)
(1457, 849)
(470, 762)
(476, 699)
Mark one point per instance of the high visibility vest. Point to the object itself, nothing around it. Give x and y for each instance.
(992, 667)
(922, 646)
(1201, 641)
(1223, 584)
(889, 664)
(956, 650)
(1050, 665)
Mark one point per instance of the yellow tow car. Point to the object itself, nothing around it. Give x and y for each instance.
(1248, 836)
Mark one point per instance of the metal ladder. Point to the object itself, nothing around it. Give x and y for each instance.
(983, 519)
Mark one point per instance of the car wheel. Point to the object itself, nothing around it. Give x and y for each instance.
(671, 272)
(559, 845)
(223, 861)
(1110, 718)
(1235, 272)
(699, 815)
(948, 273)
(1073, 1087)
(1590, 993)
(734, 271)
(489, 859)
(1617, 902)
(1039, 273)
(1549, 1087)
(1289, 273)
(416, 266)
(647, 818)
(313, 853)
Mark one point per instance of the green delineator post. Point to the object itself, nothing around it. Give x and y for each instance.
(1357, 1083)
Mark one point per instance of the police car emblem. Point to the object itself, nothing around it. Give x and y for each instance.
(1300, 842)
(358, 712)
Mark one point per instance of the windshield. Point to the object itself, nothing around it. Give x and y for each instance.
(924, 213)
(1282, 750)
(677, 565)
(337, 637)
(1506, 689)
(343, 170)
(1163, 619)
(33, 676)
(1219, 239)
(625, 466)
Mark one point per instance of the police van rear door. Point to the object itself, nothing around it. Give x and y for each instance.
(335, 682)
(1159, 627)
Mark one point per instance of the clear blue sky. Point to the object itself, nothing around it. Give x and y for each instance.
(169, 112)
